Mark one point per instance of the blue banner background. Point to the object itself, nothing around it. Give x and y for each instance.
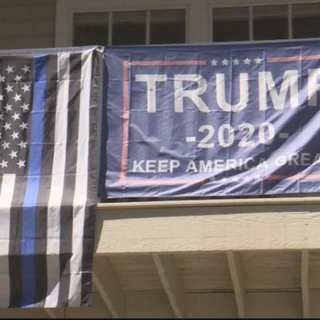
(208, 151)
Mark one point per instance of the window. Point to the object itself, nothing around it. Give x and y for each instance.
(90, 29)
(306, 20)
(231, 24)
(269, 22)
(130, 27)
(167, 26)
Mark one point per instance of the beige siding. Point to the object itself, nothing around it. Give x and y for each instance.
(212, 228)
(27, 23)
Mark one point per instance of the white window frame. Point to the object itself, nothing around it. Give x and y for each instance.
(66, 9)
(255, 3)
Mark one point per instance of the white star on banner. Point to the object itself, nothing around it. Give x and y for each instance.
(4, 164)
(23, 126)
(214, 62)
(258, 60)
(22, 145)
(225, 62)
(7, 126)
(17, 97)
(13, 154)
(6, 145)
(236, 62)
(8, 107)
(21, 163)
(25, 107)
(15, 135)
(9, 88)
(9, 69)
(25, 88)
(26, 69)
(17, 78)
(16, 116)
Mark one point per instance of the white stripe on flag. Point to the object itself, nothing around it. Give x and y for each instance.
(6, 196)
(57, 182)
(81, 184)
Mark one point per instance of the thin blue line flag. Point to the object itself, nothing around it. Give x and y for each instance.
(48, 133)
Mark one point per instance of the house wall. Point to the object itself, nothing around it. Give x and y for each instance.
(198, 13)
(27, 24)
(48, 23)
(185, 228)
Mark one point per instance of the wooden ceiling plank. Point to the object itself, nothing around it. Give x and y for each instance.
(108, 286)
(173, 286)
(235, 267)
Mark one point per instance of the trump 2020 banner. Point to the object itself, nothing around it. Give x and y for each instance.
(217, 120)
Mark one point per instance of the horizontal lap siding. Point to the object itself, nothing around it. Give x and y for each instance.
(27, 24)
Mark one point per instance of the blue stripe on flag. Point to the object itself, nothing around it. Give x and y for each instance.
(33, 183)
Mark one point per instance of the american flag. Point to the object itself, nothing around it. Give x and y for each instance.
(48, 129)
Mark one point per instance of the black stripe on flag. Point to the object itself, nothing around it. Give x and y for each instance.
(88, 234)
(15, 258)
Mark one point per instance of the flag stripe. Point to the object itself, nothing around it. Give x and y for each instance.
(6, 195)
(88, 237)
(71, 160)
(15, 258)
(33, 184)
(44, 192)
(296, 58)
(57, 182)
(80, 197)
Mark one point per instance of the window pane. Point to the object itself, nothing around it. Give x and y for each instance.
(306, 20)
(167, 26)
(231, 24)
(129, 28)
(90, 29)
(270, 22)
